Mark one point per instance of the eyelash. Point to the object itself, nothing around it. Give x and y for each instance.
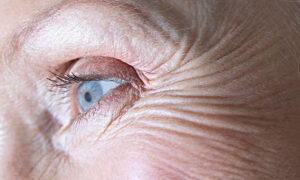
(66, 80)
(61, 85)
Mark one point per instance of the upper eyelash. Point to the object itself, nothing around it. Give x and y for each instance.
(66, 80)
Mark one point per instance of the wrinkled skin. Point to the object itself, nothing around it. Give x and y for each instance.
(219, 96)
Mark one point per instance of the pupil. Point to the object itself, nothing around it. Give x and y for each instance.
(88, 97)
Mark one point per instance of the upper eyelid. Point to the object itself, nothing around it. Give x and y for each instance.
(34, 38)
(91, 69)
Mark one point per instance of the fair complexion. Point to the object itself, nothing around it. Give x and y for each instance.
(212, 89)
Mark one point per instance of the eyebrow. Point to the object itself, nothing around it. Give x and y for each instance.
(29, 27)
(16, 42)
(166, 31)
(39, 20)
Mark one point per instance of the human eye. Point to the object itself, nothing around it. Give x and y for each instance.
(94, 84)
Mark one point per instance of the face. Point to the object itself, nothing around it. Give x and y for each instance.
(127, 89)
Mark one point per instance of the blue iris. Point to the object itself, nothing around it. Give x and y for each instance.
(90, 92)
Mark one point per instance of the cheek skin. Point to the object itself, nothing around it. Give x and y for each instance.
(121, 158)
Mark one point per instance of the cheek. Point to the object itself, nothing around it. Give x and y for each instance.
(134, 156)
(137, 147)
(158, 136)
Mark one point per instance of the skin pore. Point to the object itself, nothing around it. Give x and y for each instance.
(212, 92)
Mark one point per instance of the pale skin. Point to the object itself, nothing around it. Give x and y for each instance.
(213, 92)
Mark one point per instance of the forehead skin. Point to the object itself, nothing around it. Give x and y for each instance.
(13, 14)
(222, 80)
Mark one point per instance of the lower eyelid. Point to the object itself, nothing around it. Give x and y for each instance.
(98, 122)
